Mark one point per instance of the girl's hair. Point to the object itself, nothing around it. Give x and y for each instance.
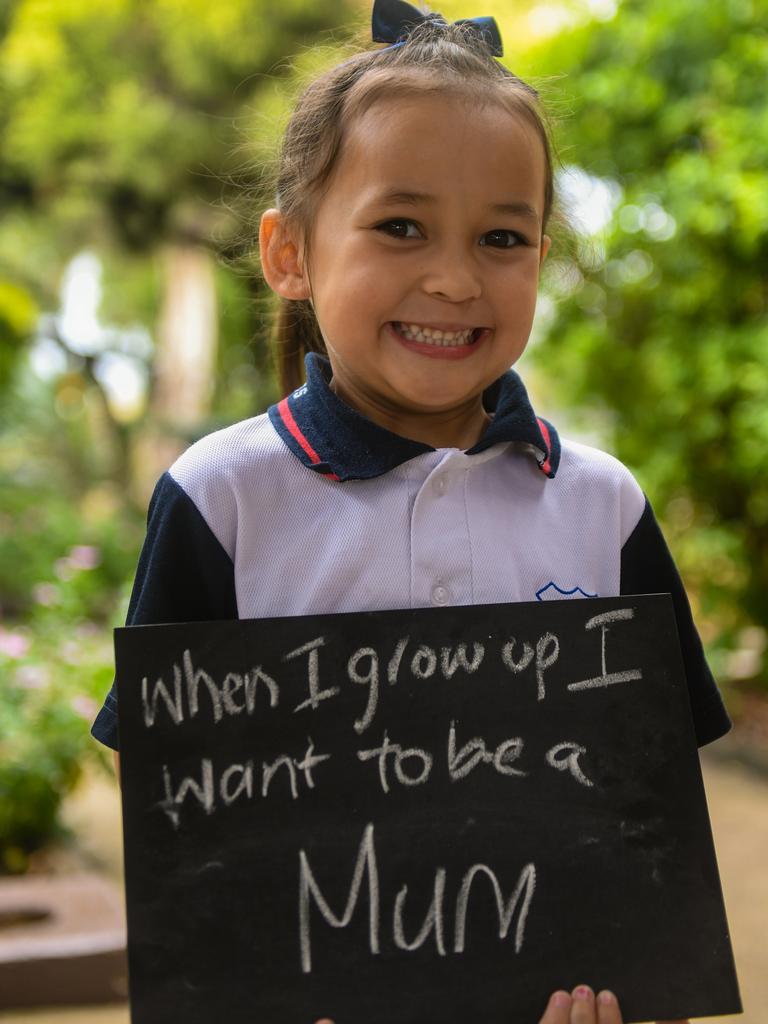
(436, 58)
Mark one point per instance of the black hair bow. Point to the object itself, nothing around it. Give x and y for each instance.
(393, 20)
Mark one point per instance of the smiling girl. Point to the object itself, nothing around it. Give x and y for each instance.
(409, 469)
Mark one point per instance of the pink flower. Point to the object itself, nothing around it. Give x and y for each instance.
(84, 556)
(32, 677)
(46, 594)
(84, 706)
(63, 569)
(13, 645)
(70, 652)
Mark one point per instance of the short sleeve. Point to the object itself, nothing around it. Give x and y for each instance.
(647, 567)
(183, 575)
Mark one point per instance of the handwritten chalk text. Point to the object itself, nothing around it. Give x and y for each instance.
(257, 691)
(366, 867)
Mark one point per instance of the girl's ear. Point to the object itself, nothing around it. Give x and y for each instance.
(281, 260)
(546, 241)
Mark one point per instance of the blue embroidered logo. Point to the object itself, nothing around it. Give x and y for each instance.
(551, 592)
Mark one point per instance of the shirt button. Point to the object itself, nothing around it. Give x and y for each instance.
(440, 486)
(440, 595)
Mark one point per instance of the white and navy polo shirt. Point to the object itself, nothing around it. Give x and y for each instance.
(311, 508)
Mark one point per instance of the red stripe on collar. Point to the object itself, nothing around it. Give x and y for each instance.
(287, 417)
(546, 465)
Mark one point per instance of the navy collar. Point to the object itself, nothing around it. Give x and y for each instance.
(333, 439)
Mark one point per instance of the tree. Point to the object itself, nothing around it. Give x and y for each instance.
(123, 132)
(667, 334)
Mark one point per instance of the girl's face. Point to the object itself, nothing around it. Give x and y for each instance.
(432, 222)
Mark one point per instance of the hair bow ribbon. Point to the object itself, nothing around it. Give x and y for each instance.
(393, 20)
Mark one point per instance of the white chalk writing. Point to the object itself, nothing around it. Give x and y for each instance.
(394, 662)
(399, 756)
(474, 752)
(221, 698)
(366, 862)
(607, 678)
(524, 890)
(369, 679)
(366, 866)
(316, 695)
(432, 922)
(569, 762)
(236, 782)
(452, 659)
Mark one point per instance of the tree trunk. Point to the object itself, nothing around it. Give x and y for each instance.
(185, 361)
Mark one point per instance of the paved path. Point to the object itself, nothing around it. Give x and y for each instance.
(738, 808)
(738, 804)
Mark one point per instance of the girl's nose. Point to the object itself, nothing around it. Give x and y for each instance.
(453, 276)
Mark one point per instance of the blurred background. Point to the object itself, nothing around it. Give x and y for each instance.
(136, 144)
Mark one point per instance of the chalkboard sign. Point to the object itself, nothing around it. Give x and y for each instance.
(416, 816)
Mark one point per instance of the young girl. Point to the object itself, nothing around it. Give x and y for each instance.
(409, 470)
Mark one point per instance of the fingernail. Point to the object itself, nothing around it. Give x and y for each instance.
(606, 998)
(582, 992)
(561, 999)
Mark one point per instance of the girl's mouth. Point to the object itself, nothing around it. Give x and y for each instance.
(440, 344)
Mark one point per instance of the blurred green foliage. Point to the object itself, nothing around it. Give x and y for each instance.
(662, 336)
(127, 115)
(123, 131)
(18, 313)
(53, 674)
(68, 544)
(45, 516)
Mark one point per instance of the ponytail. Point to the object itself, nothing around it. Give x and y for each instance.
(296, 332)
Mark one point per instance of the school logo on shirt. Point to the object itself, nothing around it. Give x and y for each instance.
(551, 592)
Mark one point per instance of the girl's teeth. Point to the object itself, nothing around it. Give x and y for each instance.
(432, 336)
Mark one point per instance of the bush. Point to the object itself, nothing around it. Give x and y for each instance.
(52, 677)
(64, 560)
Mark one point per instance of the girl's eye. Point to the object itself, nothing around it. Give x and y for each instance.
(502, 238)
(399, 228)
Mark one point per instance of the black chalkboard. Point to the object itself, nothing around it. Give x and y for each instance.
(416, 816)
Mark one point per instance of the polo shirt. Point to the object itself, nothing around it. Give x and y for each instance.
(311, 508)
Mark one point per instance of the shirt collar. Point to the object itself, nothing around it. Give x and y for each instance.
(333, 439)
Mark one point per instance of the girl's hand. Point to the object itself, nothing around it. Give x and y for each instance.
(580, 1007)
(583, 1007)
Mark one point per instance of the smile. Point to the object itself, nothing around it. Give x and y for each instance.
(436, 337)
(438, 344)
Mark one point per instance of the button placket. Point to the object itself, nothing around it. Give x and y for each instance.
(441, 571)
